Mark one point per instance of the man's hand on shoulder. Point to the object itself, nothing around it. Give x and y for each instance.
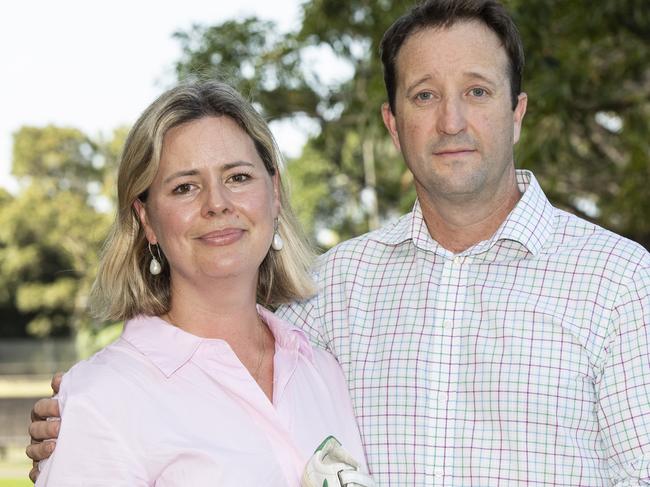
(44, 428)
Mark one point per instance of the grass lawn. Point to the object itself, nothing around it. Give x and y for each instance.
(14, 468)
(14, 465)
(24, 482)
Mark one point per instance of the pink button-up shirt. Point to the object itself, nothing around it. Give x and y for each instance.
(163, 407)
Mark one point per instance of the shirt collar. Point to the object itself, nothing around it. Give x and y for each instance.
(529, 223)
(286, 335)
(403, 229)
(169, 348)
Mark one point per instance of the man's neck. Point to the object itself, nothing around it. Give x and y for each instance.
(459, 225)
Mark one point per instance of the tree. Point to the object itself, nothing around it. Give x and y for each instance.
(585, 136)
(368, 178)
(51, 231)
(252, 56)
(351, 139)
(63, 156)
(589, 112)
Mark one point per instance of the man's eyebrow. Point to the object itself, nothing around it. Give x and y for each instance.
(469, 75)
(480, 76)
(416, 83)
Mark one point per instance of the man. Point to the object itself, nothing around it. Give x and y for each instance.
(487, 337)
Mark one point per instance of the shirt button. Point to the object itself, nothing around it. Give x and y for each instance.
(447, 324)
(442, 397)
(438, 471)
(457, 260)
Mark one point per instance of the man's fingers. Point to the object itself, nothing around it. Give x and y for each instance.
(44, 430)
(45, 408)
(56, 382)
(40, 429)
(39, 451)
(33, 474)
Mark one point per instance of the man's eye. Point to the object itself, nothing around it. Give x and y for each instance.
(424, 96)
(478, 92)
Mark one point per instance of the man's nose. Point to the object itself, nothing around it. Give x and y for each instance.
(451, 117)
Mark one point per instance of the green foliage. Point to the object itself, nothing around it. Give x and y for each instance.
(587, 71)
(91, 339)
(48, 246)
(309, 177)
(252, 56)
(585, 136)
(14, 482)
(61, 155)
(51, 232)
(351, 152)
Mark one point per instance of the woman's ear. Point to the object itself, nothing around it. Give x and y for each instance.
(277, 202)
(141, 210)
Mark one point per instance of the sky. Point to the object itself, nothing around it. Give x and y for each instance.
(95, 64)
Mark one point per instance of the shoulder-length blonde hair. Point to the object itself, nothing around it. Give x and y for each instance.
(124, 287)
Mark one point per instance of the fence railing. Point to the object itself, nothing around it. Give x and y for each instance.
(32, 357)
(25, 366)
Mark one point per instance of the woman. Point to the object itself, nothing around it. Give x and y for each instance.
(205, 385)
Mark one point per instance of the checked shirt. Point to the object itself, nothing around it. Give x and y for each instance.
(524, 360)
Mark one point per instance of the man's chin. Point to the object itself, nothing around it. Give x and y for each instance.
(460, 184)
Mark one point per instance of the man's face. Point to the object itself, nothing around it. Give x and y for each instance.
(453, 120)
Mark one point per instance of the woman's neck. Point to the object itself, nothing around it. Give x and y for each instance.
(223, 309)
(227, 311)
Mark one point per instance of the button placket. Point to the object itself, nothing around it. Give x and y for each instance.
(440, 423)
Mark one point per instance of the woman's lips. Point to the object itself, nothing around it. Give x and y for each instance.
(222, 237)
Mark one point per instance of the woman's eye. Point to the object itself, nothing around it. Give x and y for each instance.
(182, 188)
(239, 178)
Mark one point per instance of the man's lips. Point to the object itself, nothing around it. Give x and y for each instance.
(222, 237)
(453, 152)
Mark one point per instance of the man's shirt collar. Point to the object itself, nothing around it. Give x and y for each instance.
(529, 223)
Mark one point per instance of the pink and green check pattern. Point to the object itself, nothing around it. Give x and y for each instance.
(524, 360)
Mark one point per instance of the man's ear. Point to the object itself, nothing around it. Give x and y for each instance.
(391, 124)
(141, 210)
(518, 115)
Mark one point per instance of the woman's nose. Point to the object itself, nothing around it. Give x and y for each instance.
(215, 200)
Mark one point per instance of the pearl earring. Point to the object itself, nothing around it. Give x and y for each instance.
(277, 243)
(155, 267)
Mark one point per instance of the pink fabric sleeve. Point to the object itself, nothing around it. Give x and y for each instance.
(88, 452)
(349, 436)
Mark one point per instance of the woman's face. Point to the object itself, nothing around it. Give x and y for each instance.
(212, 204)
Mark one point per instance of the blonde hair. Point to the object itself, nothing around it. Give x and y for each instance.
(124, 287)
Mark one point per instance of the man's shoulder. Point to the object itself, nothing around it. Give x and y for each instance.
(593, 242)
(371, 246)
